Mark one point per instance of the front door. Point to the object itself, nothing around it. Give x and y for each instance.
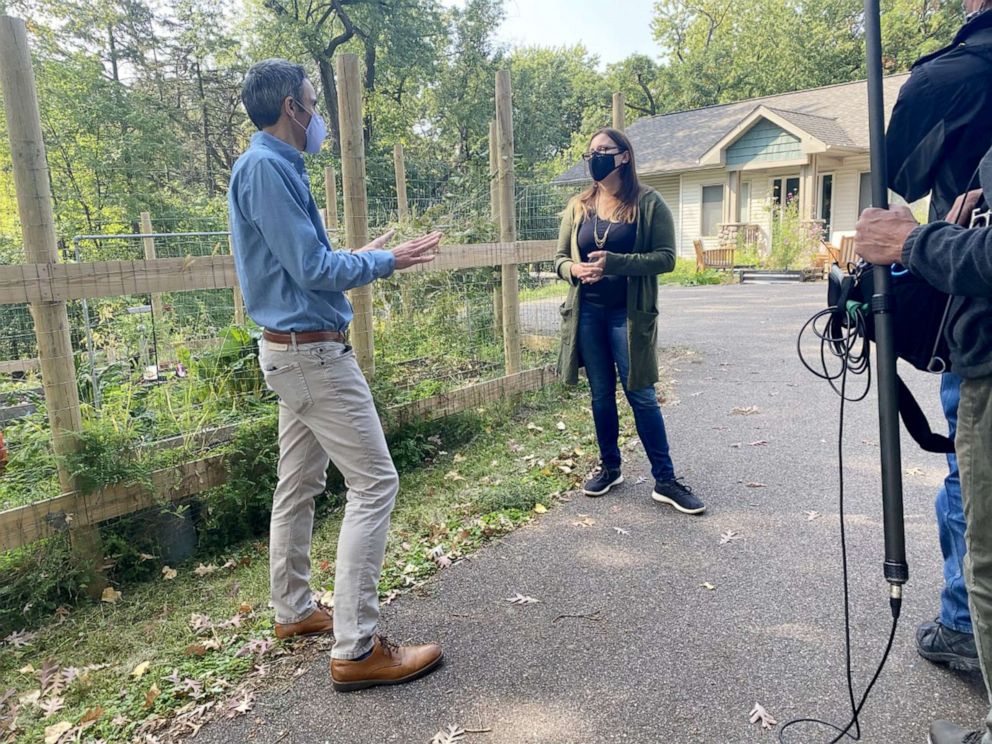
(785, 190)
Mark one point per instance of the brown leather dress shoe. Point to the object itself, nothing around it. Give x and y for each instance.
(388, 664)
(317, 622)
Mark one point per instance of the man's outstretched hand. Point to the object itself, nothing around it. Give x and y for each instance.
(410, 253)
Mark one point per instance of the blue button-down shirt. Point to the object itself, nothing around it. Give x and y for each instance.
(290, 277)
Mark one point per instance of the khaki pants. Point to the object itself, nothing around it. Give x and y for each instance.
(326, 414)
(974, 450)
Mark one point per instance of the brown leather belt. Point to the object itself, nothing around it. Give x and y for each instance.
(304, 337)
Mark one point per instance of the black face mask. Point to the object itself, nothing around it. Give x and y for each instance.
(602, 164)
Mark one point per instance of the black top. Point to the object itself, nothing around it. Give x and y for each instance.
(958, 261)
(610, 291)
(939, 128)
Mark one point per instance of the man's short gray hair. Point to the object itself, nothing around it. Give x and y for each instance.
(267, 84)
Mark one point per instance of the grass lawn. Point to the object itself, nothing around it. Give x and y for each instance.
(165, 655)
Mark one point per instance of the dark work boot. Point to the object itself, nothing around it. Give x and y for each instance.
(941, 645)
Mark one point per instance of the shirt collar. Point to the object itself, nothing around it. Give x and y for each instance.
(283, 149)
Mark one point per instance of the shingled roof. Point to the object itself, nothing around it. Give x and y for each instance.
(836, 114)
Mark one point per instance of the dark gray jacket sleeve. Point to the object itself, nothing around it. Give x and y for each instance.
(951, 258)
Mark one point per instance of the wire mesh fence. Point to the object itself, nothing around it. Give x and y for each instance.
(167, 367)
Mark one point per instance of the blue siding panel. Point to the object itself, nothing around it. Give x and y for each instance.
(764, 141)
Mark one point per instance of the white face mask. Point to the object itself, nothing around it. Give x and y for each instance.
(316, 131)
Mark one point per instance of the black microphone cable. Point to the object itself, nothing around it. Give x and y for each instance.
(847, 343)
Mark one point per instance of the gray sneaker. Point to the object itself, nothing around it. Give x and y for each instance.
(677, 494)
(945, 732)
(941, 645)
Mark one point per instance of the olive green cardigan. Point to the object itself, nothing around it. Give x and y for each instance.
(653, 254)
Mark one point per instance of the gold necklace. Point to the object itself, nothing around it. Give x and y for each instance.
(600, 242)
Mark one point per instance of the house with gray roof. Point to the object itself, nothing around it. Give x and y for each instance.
(723, 169)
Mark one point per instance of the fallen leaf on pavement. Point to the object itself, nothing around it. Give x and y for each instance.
(708, 585)
(744, 410)
(621, 531)
(587, 522)
(520, 599)
(760, 715)
(729, 536)
(450, 735)
(754, 484)
(811, 515)
(757, 443)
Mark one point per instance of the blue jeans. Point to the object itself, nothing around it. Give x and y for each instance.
(954, 611)
(603, 348)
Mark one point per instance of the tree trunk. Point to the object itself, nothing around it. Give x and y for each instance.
(330, 86)
(206, 133)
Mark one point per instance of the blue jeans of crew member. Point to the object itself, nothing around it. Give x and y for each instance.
(603, 347)
(954, 612)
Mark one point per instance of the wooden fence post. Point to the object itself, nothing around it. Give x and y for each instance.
(494, 213)
(356, 216)
(51, 320)
(619, 112)
(402, 206)
(158, 310)
(507, 221)
(331, 197)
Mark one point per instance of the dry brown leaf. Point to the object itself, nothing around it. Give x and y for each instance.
(94, 714)
(51, 706)
(744, 410)
(540, 508)
(755, 484)
(811, 515)
(203, 570)
(153, 692)
(587, 522)
(168, 573)
(708, 585)
(758, 443)
(56, 731)
(110, 595)
(621, 531)
(139, 671)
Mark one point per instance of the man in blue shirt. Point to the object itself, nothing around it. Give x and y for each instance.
(293, 285)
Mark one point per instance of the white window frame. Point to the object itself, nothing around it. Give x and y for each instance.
(723, 205)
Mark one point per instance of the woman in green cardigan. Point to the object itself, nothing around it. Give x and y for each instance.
(615, 238)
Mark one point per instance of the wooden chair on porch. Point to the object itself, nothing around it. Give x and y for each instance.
(713, 258)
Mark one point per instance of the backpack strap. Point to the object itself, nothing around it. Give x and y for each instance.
(917, 424)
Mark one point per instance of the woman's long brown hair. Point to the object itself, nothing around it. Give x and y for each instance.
(630, 187)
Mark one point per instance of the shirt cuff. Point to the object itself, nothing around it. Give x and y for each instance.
(385, 263)
(908, 245)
